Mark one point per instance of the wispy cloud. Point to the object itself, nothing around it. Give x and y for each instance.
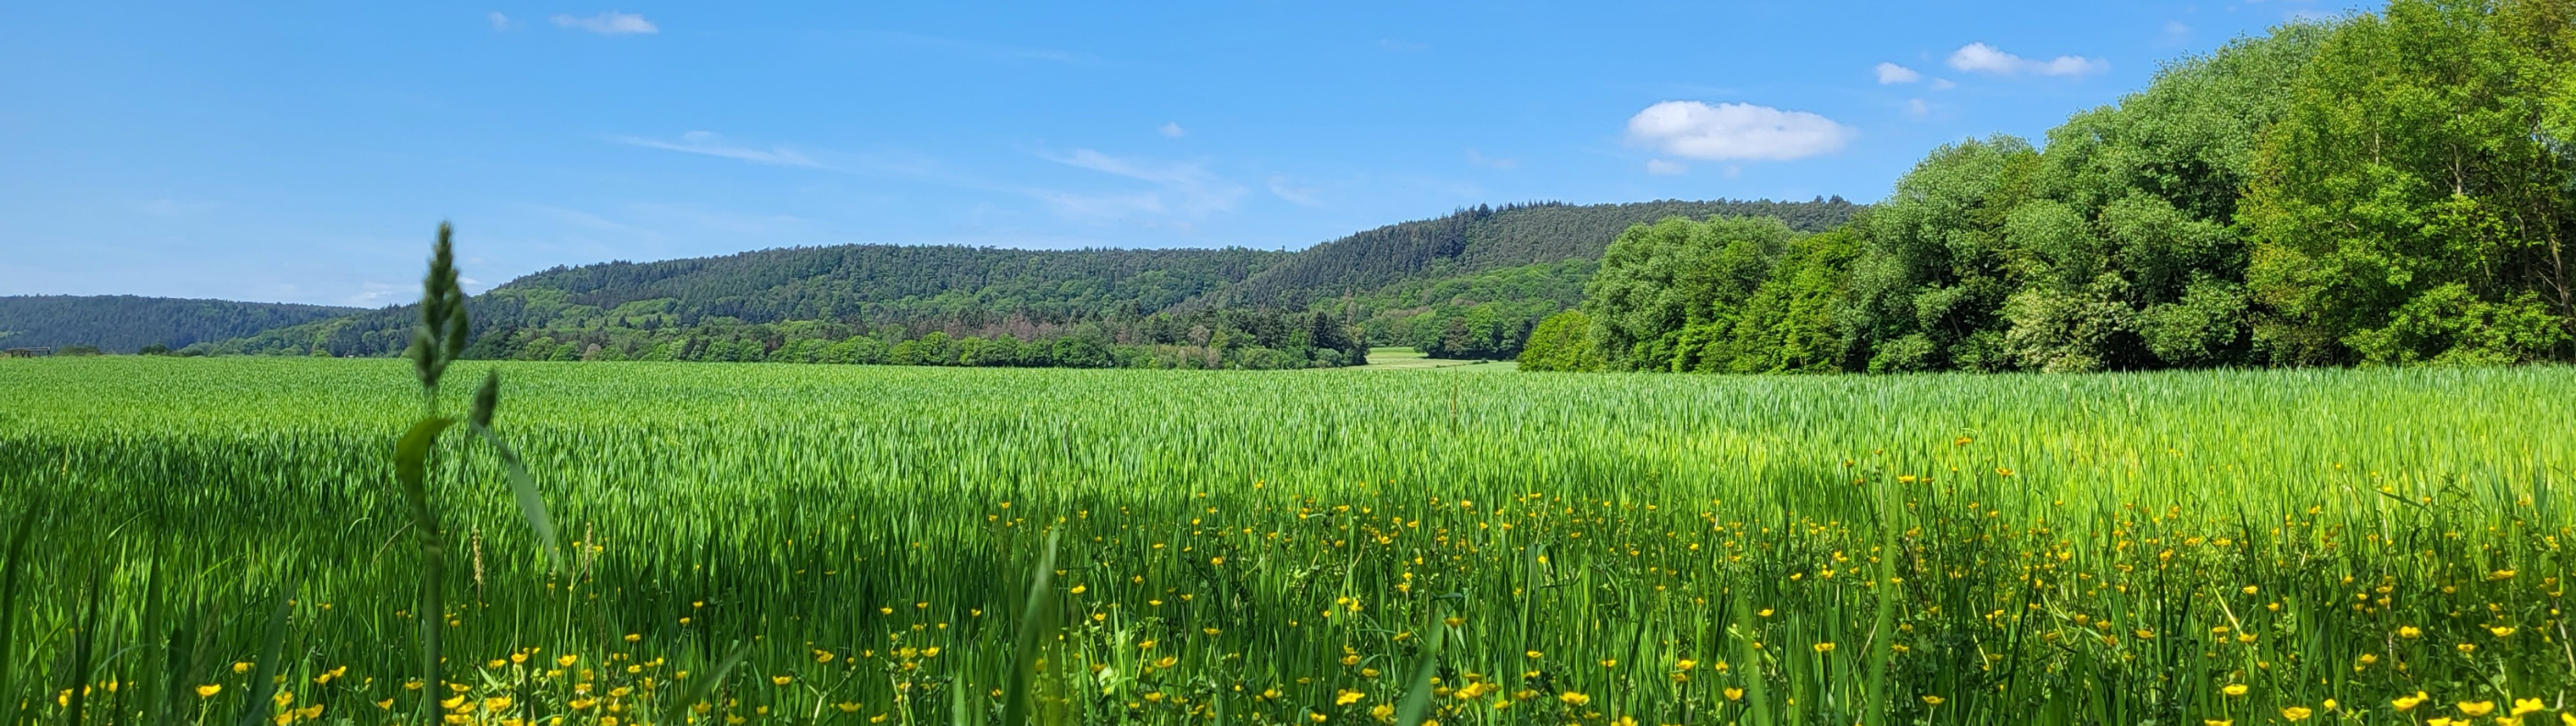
(500, 22)
(1982, 58)
(1490, 162)
(609, 23)
(1890, 73)
(1173, 130)
(1301, 196)
(1181, 188)
(1736, 131)
(1666, 168)
(712, 144)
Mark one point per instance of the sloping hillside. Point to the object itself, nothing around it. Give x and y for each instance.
(1476, 240)
(1467, 284)
(126, 323)
(857, 284)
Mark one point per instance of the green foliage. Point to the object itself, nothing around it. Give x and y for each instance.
(1562, 342)
(2389, 189)
(1668, 294)
(2406, 209)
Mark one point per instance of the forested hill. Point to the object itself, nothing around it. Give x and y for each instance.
(864, 286)
(1229, 307)
(1482, 239)
(126, 323)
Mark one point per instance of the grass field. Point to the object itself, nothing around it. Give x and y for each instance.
(1295, 547)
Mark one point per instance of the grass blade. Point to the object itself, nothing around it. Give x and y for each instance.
(84, 645)
(263, 681)
(1036, 619)
(699, 691)
(9, 596)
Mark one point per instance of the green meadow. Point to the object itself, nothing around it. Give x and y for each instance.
(223, 540)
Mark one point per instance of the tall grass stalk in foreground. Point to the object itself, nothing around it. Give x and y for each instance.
(439, 341)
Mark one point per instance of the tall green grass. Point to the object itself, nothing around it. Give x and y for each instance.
(1288, 547)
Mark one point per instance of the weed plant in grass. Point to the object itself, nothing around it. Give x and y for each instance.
(1300, 547)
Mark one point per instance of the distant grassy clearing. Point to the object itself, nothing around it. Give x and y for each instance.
(1409, 359)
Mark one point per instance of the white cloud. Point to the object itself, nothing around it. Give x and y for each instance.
(1666, 168)
(1183, 188)
(1736, 131)
(712, 144)
(1917, 108)
(1302, 196)
(1889, 73)
(611, 23)
(500, 22)
(1943, 84)
(1982, 58)
(1173, 130)
(1489, 162)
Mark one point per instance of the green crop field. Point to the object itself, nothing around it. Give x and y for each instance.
(223, 541)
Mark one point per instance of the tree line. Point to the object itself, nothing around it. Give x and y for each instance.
(1228, 339)
(2385, 189)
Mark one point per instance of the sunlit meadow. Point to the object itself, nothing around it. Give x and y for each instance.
(1296, 547)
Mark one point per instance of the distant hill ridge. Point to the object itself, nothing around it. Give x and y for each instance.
(1531, 258)
(127, 323)
(1487, 238)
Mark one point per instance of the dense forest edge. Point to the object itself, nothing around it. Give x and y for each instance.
(2389, 189)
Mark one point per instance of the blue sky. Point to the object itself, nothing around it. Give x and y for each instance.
(304, 151)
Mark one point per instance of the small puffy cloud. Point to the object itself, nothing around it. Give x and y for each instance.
(1665, 168)
(610, 23)
(1982, 58)
(1917, 108)
(1890, 73)
(1173, 130)
(500, 22)
(1943, 84)
(1735, 131)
